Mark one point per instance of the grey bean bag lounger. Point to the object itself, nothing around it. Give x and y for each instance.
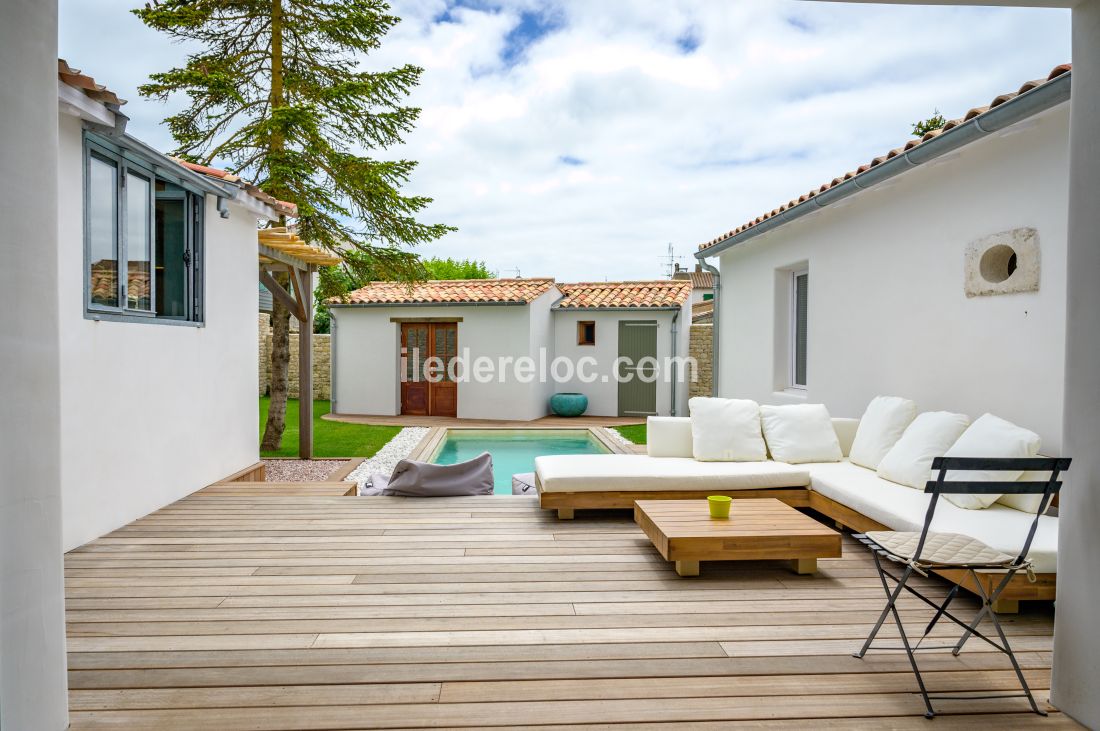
(422, 479)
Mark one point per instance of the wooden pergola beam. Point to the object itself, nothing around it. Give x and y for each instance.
(290, 302)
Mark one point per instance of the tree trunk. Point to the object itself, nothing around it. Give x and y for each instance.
(280, 315)
(280, 372)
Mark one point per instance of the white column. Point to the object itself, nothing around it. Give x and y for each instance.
(32, 630)
(1076, 677)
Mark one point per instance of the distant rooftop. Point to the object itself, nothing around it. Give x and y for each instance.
(597, 295)
(448, 291)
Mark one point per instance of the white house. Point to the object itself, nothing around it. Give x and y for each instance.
(157, 267)
(514, 342)
(937, 272)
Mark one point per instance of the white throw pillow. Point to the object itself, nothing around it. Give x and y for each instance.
(909, 462)
(990, 436)
(668, 436)
(800, 433)
(726, 430)
(880, 428)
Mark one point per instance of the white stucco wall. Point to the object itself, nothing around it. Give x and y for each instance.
(152, 412)
(887, 309)
(1076, 641)
(33, 692)
(367, 351)
(603, 395)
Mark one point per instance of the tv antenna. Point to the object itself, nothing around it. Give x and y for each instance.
(670, 261)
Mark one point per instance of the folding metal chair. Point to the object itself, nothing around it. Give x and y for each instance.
(927, 551)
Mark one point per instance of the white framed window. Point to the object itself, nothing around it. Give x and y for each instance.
(799, 327)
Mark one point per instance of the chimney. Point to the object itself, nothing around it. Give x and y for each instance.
(698, 267)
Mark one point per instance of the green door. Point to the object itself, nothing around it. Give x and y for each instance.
(637, 340)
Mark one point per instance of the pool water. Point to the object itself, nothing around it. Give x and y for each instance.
(514, 450)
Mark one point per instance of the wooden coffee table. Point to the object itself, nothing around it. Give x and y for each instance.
(757, 529)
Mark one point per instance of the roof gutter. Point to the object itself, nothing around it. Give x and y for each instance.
(663, 308)
(1017, 109)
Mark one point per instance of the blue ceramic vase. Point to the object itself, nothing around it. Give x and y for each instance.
(568, 404)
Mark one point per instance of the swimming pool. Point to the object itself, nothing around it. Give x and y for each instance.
(513, 450)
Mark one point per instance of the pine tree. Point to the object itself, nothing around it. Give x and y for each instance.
(279, 93)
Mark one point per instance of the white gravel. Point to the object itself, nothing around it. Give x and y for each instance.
(300, 470)
(386, 458)
(619, 437)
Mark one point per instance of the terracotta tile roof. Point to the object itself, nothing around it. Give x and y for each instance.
(285, 207)
(597, 295)
(975, 112)
(448, 291)
(702, 311)
(699, 280)
(86, 84)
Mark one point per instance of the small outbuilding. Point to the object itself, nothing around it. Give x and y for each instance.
(498, 349)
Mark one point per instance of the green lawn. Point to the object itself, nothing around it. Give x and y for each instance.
(330, 438)
(634, 432)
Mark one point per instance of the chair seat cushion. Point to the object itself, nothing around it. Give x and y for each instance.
(638, 472)
(902, 508)
(941, 549)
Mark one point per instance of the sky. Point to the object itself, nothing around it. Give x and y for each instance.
(577, 139)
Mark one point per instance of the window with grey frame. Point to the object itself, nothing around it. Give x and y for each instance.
(800, 312)
(142, 240)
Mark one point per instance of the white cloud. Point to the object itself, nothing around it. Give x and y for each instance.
(775, 98)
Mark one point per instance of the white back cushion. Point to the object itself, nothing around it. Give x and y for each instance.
(726, 430)
(845, 429)
(800, 433)
(881, 427)
(909, 462)
(990, 436)
(668, 436)
(1026, 503)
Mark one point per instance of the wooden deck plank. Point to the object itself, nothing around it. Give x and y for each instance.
(304, 610)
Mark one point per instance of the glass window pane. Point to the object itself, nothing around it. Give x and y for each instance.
(171, 251)
(802, 285)
(103, 231)
(139, 247)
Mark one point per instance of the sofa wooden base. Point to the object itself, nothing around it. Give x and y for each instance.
(567, 502)
(1019, 589)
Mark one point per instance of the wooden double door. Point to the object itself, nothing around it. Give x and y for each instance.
(427, 388)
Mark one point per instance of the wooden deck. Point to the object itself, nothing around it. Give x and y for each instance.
(268, 609)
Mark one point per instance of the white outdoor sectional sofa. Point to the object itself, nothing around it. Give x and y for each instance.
(854, 496)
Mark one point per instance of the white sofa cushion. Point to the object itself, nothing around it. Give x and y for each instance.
(881, 427)
(901, 508)
(990, 436)
(800, 433)
(668, 436)
(640, 472)
(909, 462)
(726, 430)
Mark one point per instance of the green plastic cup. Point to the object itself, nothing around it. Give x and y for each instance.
(719, 505)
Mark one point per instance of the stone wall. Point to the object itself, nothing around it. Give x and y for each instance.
(322, 350)
(265, 352)
(699, 348)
